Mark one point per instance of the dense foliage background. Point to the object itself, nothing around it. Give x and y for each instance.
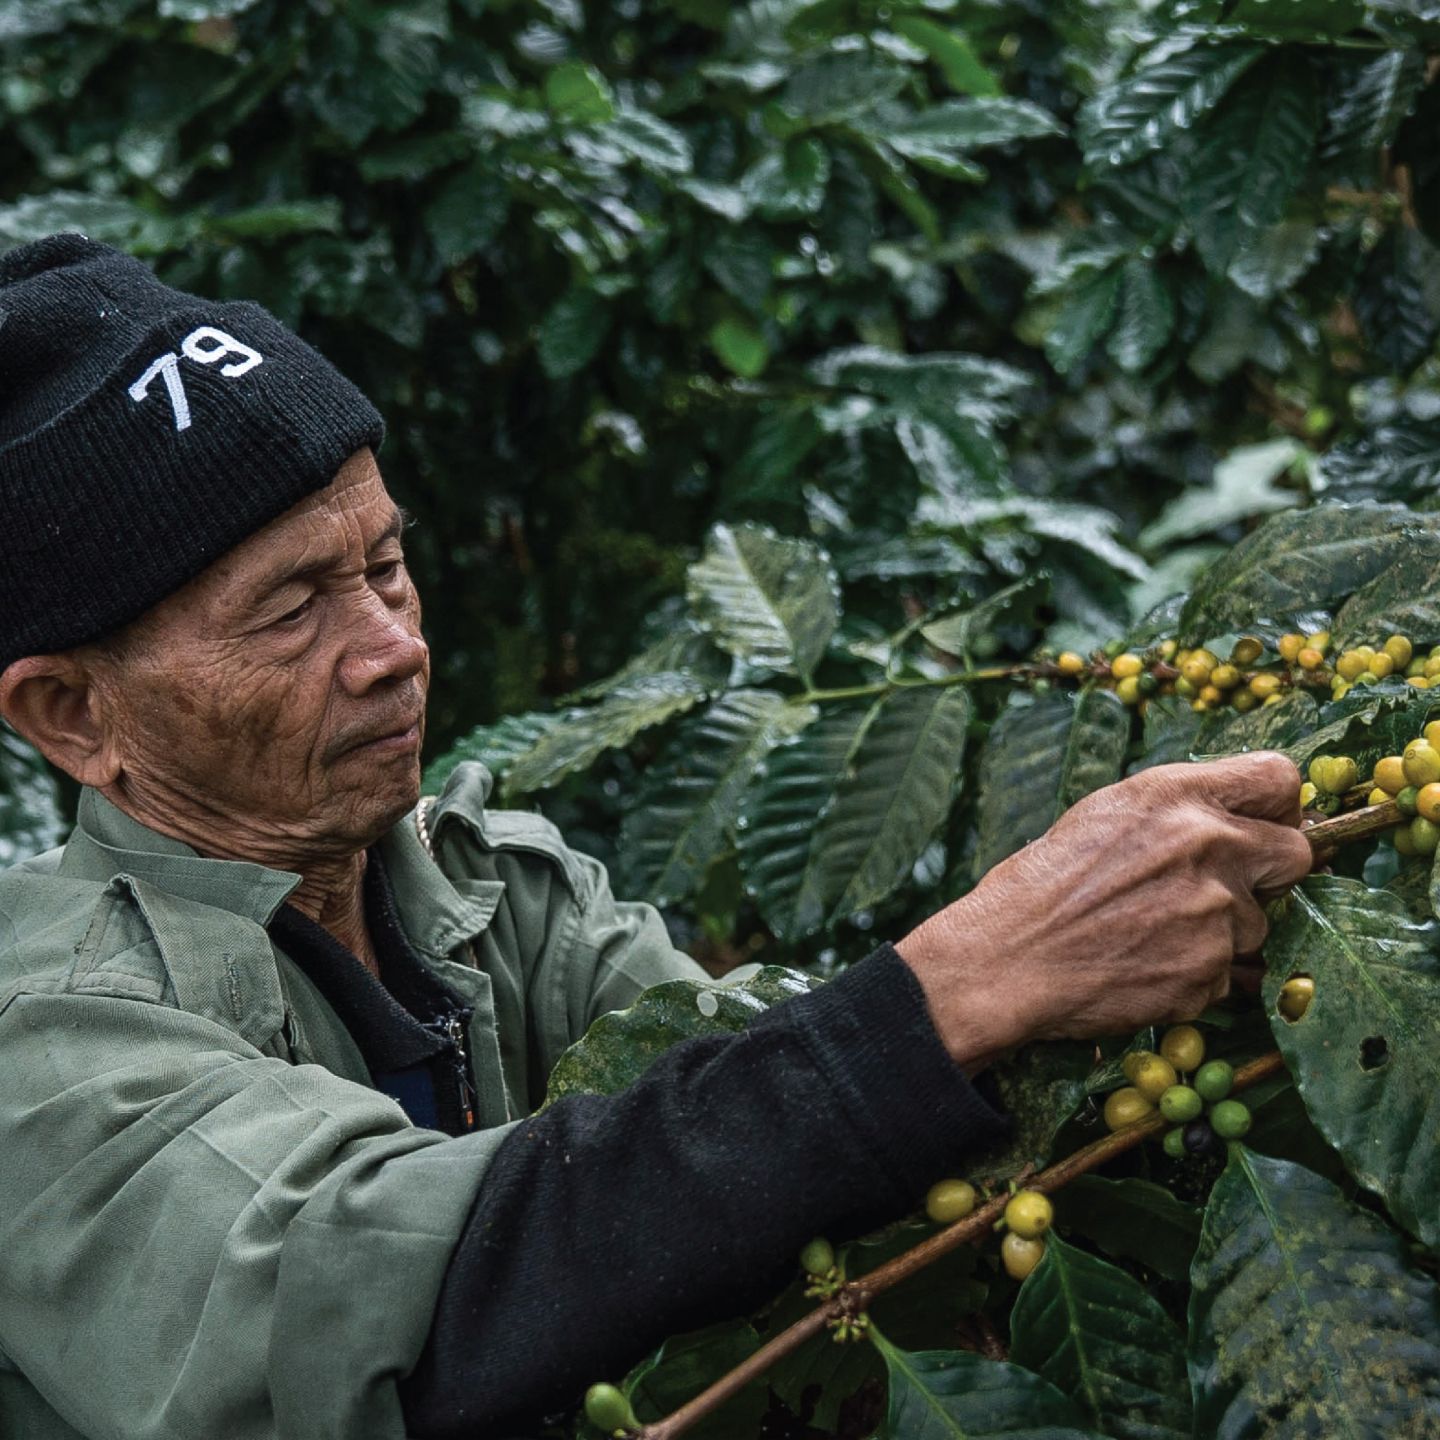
(758, 374)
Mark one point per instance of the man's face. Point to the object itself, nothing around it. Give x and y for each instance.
(277, 701)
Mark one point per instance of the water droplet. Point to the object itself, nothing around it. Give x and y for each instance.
(707, 1004)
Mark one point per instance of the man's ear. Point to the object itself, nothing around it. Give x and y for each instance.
(55, 703)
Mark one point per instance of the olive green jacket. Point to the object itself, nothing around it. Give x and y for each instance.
(212, 1226)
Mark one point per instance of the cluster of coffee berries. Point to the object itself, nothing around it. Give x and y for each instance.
(1158, 1082)
(1411, 780)
(1028, 1215)
(1366, 665)
(1209, 683)
(608, 1409)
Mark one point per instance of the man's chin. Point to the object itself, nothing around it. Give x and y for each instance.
(390, 793)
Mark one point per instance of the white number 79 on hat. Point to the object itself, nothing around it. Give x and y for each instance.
(205, 346)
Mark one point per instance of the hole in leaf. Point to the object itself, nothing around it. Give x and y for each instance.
(1374, 1052)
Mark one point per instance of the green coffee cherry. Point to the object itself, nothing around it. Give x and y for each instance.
(1180, 1104)
(1174, 1143)
(1213, 1080)
(1407, 801)
(1029, 1214)
(607, 1409)
(1230, 1119)
(949, 1201)
(818, 1257)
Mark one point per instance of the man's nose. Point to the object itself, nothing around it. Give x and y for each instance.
(386, 649)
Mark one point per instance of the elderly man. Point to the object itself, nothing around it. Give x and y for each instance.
(271, 1037)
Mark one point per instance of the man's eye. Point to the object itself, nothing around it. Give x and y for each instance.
(290, 617)
(383, 574)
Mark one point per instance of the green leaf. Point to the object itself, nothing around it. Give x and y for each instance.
(1364, 1054)
(1298, 561)
(1244, 486)
(1374, 96)
(1403, 599)
(494, 746)
(1085, 313)
(1040, 1087)
(267, 222)
(740, 347)
(955, 1395)
(1397, 298)
(1098, 1336)
(1146, 112)
(687, 1364)
(788, 183)
(571, 333)
(1145, 318)
(655, 145)
(1305, 1319)
(1270, 261)
(620, 1046)
(963, 69)
(1134, 1219)
(838, 86)
(953, 127)
(1396, 461)
(690, 797)
(1252, 156)
(579, 94)
(1040, 759)
(30, 817)
(467, 212)
(895, 794)
(685, 647)
(957, 633)
(770, 600)
(582, 736)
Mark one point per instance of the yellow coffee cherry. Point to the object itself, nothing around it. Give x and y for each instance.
(1247, 650)
(1399, 649)
(949, 1200)
(1333, 774)
(1211, 696)
(1224, 677)
(1422, 762)
(1132, 1061)
(1264, 685)
(1295, 997)
(1068, 662)
(1153, 1077)
(1125, 1106)
(1432, 667)
(1340, 691)
(1424, 835)
(1273, 700)
(1128, 690)
(1184, 689)
(1415, 667)
(1243, 701)
(1350, 664)
(1198, 667)
(1290, 647)
(1377, 796)
(1184, 1047)
(1201, 706)
(1418, 681)
(1029, 1213)
(1400, 838)
(1310, 658)
(1124, 665)
(1168, 649)
(1020, 1256)
(1308, 795)
(1368, 651)
(1390, 774)
(1432, 733)
(1381, 665)
(1320, 640)
(1427, 802)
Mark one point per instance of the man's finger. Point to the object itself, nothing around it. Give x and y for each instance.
(1263, 785)
(1271, 856)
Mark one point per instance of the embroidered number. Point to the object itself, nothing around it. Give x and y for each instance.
(205, 346)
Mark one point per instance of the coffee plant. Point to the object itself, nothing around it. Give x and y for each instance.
(1054, 387)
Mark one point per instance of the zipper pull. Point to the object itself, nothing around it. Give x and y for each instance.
(455, 1028)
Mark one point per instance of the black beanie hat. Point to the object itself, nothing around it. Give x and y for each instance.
(143, 432)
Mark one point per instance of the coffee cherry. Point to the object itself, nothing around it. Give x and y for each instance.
(1184, 689)
(1419, 682)
(1320, 640)
(1351, 665)
(1019, 1255)
(1290, 647)
(1132, 1061)
(1308, 792)
(1408, 800)
(1174, 1143)
(607, 1409)
(1265, 684)
(1168, 649)
(1126, 665)
(1390, 774)
(1334, 774)
(1069, 663)
(1213, 1080)
(949, 1200)
(1432, 734)
(1381, 666)
(1198, 667)
(1029, 1213)
(1200, 1139)
(1230, 1119)
(1127, 691)
(1400, 839)
(1427, 801)
(1154, 1077)
(1125, 1106)
(1421, 762)
(1376, 797)
(1212, 695)
(1243, 701)
(1310, 659)
(1424, 835)
(818, 1257)
(1184, 1047)
(1432, 669)
(1400, 650)
(1225, 677)
(1295, 997)
(1180, 1103)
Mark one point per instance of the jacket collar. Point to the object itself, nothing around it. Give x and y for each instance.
(436, 915)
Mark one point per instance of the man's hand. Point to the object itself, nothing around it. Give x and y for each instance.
(1129, 911)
